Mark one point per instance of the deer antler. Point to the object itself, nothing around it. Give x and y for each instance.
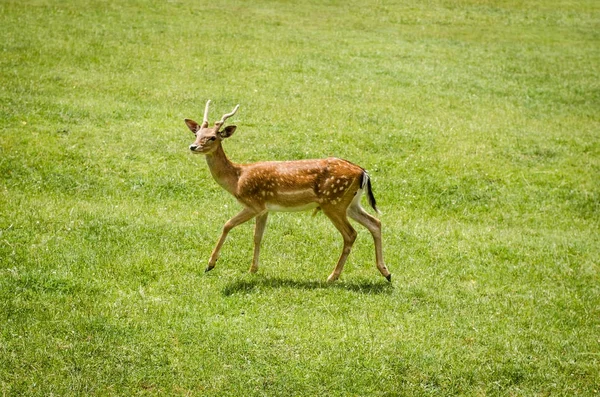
(228, 115)
(205, 121)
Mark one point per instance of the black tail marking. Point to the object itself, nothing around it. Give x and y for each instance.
(366, 180)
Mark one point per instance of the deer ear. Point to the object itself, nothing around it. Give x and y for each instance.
(192, 125)
(227, 131)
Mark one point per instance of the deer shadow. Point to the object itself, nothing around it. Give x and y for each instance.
(257, 282)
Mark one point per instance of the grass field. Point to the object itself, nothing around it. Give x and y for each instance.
(479, 122)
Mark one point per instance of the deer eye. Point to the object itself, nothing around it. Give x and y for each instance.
(212, 138)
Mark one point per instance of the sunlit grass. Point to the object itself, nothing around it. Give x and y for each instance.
(478, 123)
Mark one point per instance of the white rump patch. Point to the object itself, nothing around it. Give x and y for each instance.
(365, 180)
(355, 202)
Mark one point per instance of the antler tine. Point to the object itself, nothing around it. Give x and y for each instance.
(228, 115)
(205, 121)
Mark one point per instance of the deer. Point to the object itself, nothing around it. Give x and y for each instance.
(332, 185)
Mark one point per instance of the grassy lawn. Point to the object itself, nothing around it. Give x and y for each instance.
(479, 122)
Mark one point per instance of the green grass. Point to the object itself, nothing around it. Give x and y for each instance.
(479, 122)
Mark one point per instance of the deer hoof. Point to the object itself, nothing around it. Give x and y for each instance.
(389, 277)
(208, 269)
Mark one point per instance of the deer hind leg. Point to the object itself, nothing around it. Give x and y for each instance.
(243, 216)
(340, 221)
(259, 230)
(356, 212)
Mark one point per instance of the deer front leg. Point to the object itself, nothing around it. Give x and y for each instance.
(259, 230)
(243, 216)
(348, 233)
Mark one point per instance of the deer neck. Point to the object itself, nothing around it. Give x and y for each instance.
(223, 171)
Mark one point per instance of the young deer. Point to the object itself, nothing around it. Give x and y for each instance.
(332, 185)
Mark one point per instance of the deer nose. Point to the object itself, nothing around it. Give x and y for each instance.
(193, 147)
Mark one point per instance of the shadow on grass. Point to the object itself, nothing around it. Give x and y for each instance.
(261, 282)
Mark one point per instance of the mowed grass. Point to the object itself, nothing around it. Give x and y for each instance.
(478, 121)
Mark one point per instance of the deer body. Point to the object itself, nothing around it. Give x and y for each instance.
(332, 185)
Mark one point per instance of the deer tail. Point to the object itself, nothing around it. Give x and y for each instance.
(366, 183)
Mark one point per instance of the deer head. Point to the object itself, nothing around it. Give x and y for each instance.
(208, 139)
